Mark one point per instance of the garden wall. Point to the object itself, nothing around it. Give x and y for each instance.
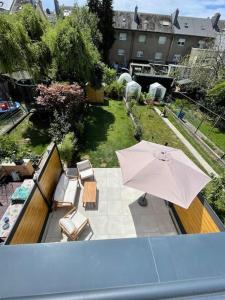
(31, 222)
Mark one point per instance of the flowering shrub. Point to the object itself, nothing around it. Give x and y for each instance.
(60, 97)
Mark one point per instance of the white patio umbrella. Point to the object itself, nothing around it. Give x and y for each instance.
(161, 171)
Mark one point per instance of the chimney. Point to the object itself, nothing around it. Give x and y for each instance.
(175, 17)
(215, 20)
(136, 17)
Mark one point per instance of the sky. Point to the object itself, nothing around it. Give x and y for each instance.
(192, 8)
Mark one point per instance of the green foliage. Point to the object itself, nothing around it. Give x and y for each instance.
(216, 95)
(75, 54)
(115, 90)
(8, 148)
(88, 23)
(104, 11)
(215, 195)
(67, 147)
(109, 75)
(97, 76)
(59, 127)
(14, 48)
(32, 22)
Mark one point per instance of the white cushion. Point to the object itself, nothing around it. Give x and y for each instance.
(68, 224)
(70, 193)
(61, 188)
(87, 173)
(83, 165)
(78, 219)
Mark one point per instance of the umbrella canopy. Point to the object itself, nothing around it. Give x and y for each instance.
(162, 171)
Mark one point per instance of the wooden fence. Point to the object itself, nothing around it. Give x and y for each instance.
(31, 222)
(198, 218)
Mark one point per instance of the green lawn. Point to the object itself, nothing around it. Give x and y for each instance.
(107, 129)
(155, 130)
(194, 116)
(211, 161)
(38, 136)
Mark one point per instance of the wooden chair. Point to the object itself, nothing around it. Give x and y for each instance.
(85, 170)
(73, 223)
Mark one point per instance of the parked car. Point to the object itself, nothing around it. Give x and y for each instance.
(8, 106)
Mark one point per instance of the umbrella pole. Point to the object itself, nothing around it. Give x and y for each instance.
(142, 201)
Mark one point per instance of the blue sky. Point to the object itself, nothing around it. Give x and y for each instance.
(197, 8)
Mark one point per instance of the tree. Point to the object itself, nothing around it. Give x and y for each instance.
(32, 22)
(67, 100)
(14, 45)
(87, 22)
(104, 11)
(74, 53)
(106, 28)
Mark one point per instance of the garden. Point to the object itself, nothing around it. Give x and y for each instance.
(201, 121)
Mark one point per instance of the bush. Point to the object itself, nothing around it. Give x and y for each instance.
(97, 76)
(8, 148)
(115, 90)
(68, 147)
(109, 75)
(138, 132)
(59, 127)
(215, 195)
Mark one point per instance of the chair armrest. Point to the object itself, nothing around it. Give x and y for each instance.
(73, 210)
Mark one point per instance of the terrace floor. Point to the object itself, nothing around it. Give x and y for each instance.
(117, 213)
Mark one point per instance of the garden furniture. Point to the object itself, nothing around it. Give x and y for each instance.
(89, 193)
(85, 170)
(73, 223)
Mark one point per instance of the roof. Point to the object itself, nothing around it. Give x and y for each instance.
(139, 268)
(184, 81)
(6, 4)
(148, 22)
(194, 26)
(201, 27)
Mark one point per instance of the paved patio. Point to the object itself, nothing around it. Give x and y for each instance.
(117, 213)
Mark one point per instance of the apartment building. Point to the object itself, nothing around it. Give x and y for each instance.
(159, 38)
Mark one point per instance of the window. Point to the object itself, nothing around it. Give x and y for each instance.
(186, 25)
(142, 38)
(176, 57)
(123, 36)
(181, 42)
(165, 23)
(120, 52)
(140, 54)
(201, 44)
(158, 55)
(162, 40)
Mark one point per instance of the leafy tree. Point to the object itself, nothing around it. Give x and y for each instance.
(32, 22)
(75, 54)
(106, 28)
(67, 100)
(14, 45)
(104, 11)
(87, 23)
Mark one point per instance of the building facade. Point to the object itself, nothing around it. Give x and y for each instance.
(12, 6)
(159, 38)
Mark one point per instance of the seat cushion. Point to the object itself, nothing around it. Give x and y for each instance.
(71, 190)
(78, 219)
(68, 225)
(61, 188)
(83, 165)
(86, 173)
